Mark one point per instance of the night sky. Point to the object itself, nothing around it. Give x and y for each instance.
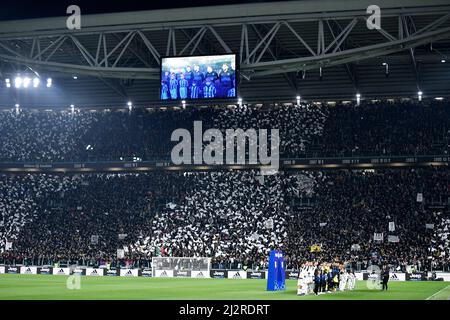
(27, 9)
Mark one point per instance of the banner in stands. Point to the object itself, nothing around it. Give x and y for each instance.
(48, 270)
(61, 271)
(200, 274)
(28, 270)
(95, 272)
(12, 270)
(292, 275)
(79, 271)
(2, 270)
(418, 276)
(237, 275)
(129, 272)
(219, 274)
(164, 273)
(112, 273)
(378, 237)
(181, 273)
(256, 274)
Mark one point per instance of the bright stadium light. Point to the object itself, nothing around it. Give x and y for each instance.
(130, 105)
(75, 77)
(26, 82)
(439, 98)
(419, 95)
(240, 102)
(298, 100)
(184, 104)
(49, 82)
(8, 83)
(358, 99)
(443, 60)
(36, 82)
(18, 82)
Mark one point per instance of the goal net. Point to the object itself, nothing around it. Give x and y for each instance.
(176, 267)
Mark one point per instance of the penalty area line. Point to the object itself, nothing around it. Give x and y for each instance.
(435, 294)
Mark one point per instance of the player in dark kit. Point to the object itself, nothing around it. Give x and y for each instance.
(173, 87)
(209, 90)
(189, 76)
(164, 91)
(385, 278)
(198, 77)
(226, 78)
(184, 85)
(317, 281)
(194, 91)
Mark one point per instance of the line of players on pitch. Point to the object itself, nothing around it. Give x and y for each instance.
(324, 278)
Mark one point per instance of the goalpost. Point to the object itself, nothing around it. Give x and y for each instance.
(181, 267)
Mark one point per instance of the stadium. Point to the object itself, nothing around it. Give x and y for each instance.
(288, 150)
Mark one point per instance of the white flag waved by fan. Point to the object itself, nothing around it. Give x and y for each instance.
(420, 197)
(8, 245)
(393, 239)
(378, 237)
(392, 226)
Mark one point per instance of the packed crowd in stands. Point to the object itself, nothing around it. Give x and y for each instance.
(235, 218)
(382, 128)
(440, 243)
(354, 205)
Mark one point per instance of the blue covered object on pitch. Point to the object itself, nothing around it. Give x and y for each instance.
(276, 280)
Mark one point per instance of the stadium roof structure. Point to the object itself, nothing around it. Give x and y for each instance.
(283, 48)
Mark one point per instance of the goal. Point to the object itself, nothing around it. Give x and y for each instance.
(181, 267)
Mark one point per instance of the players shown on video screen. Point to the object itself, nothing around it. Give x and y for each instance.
(199, 82)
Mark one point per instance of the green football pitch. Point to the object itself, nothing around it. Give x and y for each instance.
(41, 287)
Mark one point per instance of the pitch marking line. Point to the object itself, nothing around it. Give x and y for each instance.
(435, 294)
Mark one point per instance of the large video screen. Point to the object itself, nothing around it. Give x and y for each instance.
(198, 77)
